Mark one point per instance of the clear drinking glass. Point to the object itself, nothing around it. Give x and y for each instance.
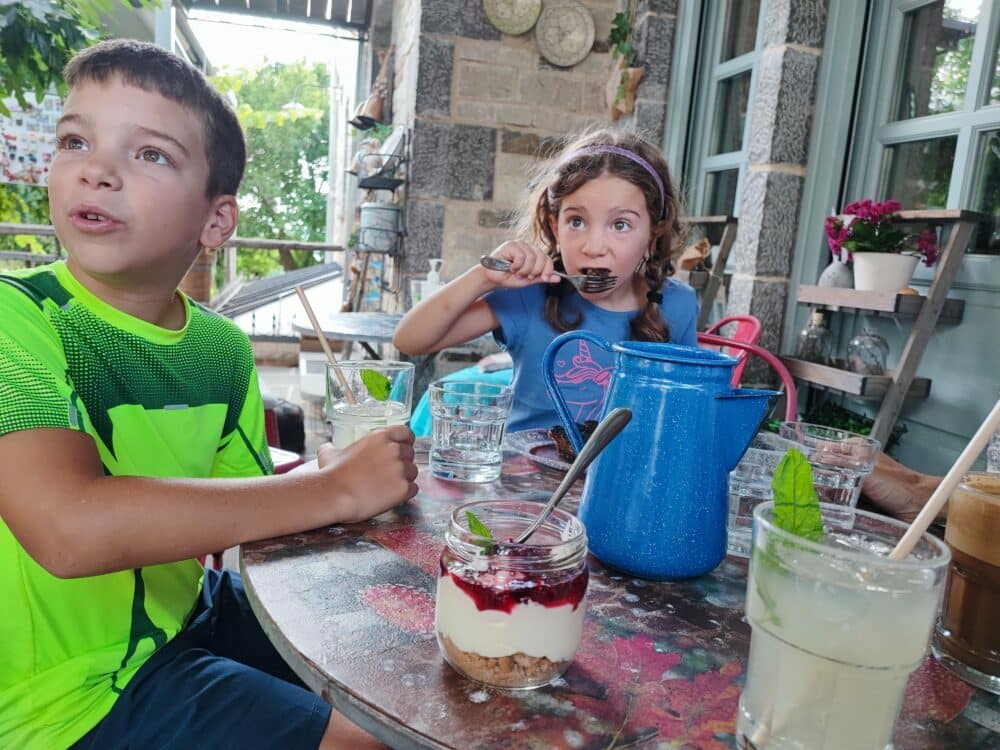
(847, 452)
(750, 485)
(381, 394)
(967, 638)
(468, 421)
(511, 614)
(837, 628)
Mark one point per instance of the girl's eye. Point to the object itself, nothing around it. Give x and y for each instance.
(70, 143)
(575, 221)
(153, 156)
(621, 225)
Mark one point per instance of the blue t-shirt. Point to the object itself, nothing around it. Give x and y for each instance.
(582, 371)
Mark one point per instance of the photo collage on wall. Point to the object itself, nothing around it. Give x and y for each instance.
(29, 140)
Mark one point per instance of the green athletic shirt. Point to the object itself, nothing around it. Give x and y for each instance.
(157, 403)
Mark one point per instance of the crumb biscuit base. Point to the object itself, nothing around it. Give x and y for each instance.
(515, 671)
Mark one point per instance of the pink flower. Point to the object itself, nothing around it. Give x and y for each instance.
(836, 233)
(927, 245)
(861, 209)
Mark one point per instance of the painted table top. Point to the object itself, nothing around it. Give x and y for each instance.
(376, 327)
(661, 664)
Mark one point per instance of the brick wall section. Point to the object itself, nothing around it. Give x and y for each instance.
(482, 105)
(777, 150)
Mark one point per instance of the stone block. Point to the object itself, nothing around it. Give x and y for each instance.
(594, 99)
(470, 112)
(654, 46)
(424, 234)
(668, 7)
(518, 115)
(508, 190)
(782, 107)
(769, 211)
(458, 17)
(464, 246)
(490, 52)
(482, 81)
(765, 299)
(453, 161)
(794, 22)
(648, 119)
(596, 64)
(548, 89)
(514, 165)
(434, 76)
(495, 219)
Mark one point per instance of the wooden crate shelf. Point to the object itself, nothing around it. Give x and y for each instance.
(838, 378)
(908, 305)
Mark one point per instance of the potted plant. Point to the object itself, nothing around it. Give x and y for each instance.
(884, 255)
(625, 76)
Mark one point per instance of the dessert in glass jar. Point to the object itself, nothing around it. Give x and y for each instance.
(508, 614)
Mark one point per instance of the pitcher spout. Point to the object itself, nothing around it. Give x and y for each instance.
(740, 414)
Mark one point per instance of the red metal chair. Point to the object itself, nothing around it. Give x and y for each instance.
(748, 330)
(791, 395)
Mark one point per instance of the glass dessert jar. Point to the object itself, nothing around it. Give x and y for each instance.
(508, 614)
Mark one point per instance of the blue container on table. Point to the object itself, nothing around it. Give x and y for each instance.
(655, 502)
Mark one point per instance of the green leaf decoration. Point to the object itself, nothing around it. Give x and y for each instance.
(378, 385)
(796, 504)
(477, 527)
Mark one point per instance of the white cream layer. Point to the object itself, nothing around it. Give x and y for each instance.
(530, 628)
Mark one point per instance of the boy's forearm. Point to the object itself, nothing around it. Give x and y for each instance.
(425, 328)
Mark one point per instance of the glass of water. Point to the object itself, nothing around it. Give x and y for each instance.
(750, 484)
(468, 421)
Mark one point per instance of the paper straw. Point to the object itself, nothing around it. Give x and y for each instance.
(947, 486)
(348, 393)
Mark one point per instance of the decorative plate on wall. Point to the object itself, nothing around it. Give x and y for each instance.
(512, 16)
(565, 32)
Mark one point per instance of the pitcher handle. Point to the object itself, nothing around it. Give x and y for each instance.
(550, 381)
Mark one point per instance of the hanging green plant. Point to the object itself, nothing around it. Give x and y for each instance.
(625, 75)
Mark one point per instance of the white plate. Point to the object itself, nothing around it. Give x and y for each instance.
(538, 447)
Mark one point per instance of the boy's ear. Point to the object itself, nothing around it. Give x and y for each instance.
(221, 222)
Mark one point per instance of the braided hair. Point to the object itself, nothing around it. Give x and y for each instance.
(559, 178)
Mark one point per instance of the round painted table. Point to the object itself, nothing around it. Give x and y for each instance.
(351, 608)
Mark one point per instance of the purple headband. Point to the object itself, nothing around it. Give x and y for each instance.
(605, 149)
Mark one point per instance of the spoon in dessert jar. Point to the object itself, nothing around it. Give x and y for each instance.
(603, 434)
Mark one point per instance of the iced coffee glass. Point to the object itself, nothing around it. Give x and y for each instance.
(837, 628)
(967, 638)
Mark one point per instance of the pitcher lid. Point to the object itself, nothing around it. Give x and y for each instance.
(675, 353)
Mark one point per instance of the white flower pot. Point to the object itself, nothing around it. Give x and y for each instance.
(883, 272)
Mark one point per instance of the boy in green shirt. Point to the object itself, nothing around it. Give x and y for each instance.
(132, 441)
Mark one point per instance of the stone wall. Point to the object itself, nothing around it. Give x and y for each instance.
(482, 105)
(777, 153)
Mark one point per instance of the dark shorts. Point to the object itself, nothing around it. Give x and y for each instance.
(219, 684)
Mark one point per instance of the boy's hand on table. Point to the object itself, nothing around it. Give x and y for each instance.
(375, 474)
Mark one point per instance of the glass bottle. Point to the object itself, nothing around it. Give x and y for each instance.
(815, 341)
(867, 353)
(510, 614)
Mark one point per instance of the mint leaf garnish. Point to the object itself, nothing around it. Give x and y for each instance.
(796, 504)
(477, 527)
(378, 385)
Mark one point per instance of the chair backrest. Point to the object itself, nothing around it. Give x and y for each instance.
(791, 395)
(747, 329)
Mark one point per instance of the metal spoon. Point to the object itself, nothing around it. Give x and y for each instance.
(603, 434)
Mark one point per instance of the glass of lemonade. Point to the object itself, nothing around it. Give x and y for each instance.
(381, 394)
(837, 628)
(468, 420)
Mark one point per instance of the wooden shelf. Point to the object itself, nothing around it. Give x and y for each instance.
(838, 378)
(908, 305)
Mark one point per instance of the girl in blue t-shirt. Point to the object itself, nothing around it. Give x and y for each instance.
(604, 204)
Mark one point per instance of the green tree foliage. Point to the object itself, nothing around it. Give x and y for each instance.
(37, 39)
(285, 114)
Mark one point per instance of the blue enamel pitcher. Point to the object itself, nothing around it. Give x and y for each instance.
(655, 501)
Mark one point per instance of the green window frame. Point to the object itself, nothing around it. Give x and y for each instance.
(879, 130)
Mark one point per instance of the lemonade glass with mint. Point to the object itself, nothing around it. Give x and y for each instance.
(837, 627)
(366, 395)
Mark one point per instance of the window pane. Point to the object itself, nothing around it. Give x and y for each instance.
(937, 44)
(920, 172)
(740, 34)
(720, 192)
(986, 193)
(730, 114)
(993, 95)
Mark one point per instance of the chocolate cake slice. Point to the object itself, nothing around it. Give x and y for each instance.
(562, 441)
